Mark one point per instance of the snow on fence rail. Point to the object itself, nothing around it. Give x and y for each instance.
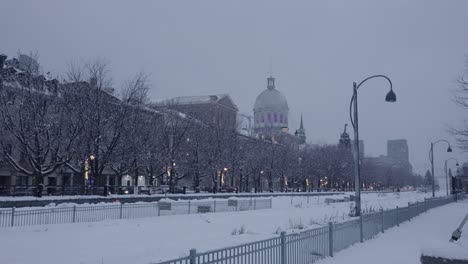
(311, 245)
(93, 213)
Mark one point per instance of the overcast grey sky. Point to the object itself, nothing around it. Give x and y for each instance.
(318, 49)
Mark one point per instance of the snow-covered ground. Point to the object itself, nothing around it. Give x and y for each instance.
(155, 239)
(428, 233)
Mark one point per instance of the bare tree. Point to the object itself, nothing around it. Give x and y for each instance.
(103, 115)
(36, 125)
(461, 99)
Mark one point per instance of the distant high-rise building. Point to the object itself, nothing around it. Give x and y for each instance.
(397, 149)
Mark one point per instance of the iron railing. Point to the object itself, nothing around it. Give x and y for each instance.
(311, 245)
(10, 217)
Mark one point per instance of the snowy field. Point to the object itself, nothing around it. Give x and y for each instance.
(155, 239)
(428, 233)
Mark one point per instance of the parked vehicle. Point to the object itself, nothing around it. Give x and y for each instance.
(161, 189)
(178, 189)
(228, 189)
(144, 190)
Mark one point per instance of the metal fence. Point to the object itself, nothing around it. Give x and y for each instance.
(10, 217)
(311, 245)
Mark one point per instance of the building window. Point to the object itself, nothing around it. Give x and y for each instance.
(275, 116)
(21, 180)
(269, 117)
(281, 118)
(263, 119)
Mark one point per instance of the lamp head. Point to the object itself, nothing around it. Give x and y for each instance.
(449, 149)
(457, 164)
(391, 96)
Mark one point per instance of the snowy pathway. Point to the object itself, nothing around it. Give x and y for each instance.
(429, 231)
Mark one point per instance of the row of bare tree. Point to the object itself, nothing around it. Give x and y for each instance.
(83, 125)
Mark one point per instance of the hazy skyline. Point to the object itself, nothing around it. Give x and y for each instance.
(318, 49)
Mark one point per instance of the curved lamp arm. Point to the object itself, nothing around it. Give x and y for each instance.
(440, 140)
(454, 159)
(359, 85)
(432, 146)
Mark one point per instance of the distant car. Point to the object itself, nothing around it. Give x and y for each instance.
(125, 190)
(144, 190)
(161, 189)
(178, 189)
(228, 189)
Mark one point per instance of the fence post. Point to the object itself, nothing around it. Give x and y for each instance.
(283, 247)
(330, 238)
(361, 231)
(383, 220)
(12, 216)
(271, 202)
(121, 205)
(193, 255)
(189, 205)
(255, 204)
(214, 206)
(410, 212)
(159, 209)
(74, 213)
(397, 218)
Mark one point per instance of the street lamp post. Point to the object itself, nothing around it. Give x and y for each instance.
(299, 173)
(446, 173)
(353, 114)
(431, 159)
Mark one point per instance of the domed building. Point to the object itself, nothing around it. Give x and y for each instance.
(270, 110)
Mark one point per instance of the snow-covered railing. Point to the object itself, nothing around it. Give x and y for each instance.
(311, 245)
(10, 217)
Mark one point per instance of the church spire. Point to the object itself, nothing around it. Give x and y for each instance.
(345, 141)
(301, 132)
